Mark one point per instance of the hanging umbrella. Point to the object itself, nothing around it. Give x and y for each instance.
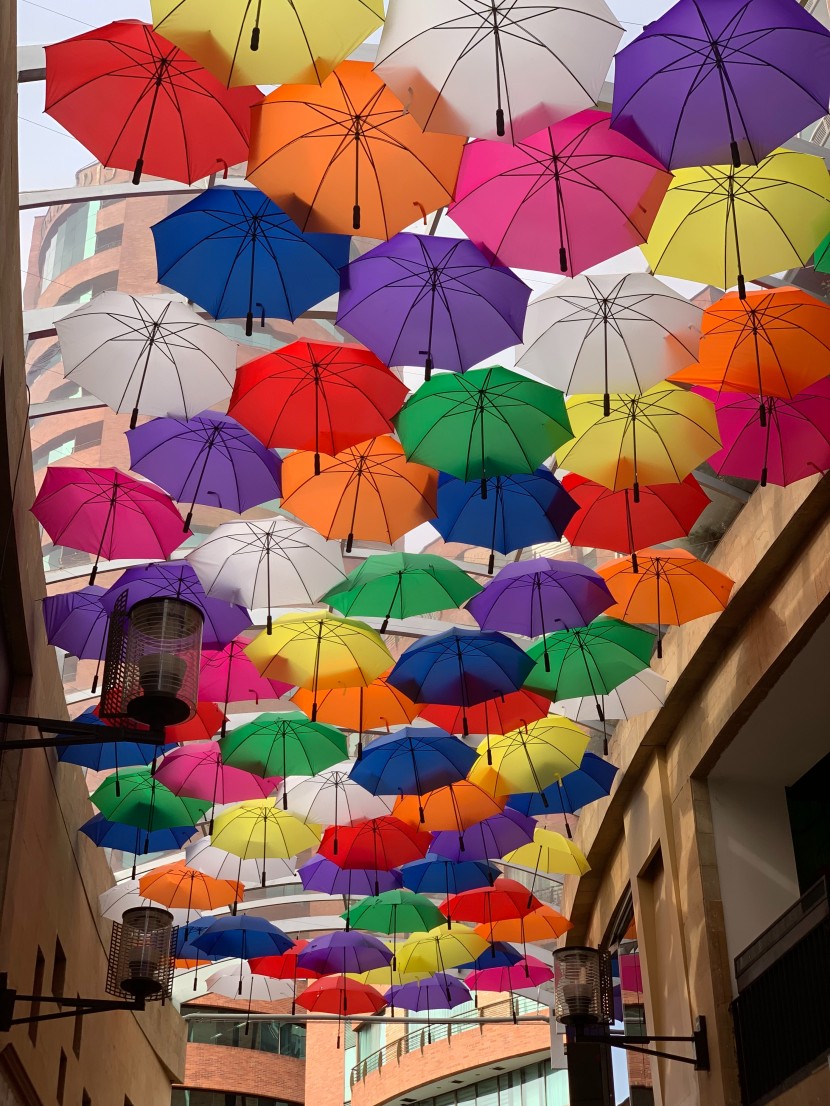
(348, 156)
(561, 200)
(369, 491)
(493, 716)
(227, 675)
(486, 840)
(276, 43)
(527, 972)
(107, 513)
(338, 953)
(456, 806)
(722, 81)
(256, 829)
(331, 798)
(438, 992)
(146, 354)
(205, 857)
(138, 799)
(609, 334)
(724, 226)
(671, 587)
(499, 954)
(199, 772)
(177, 885)
(201, 727)
(260, 563)
(483, 423)
(654, 438)
(507, 898)
(183, 949)
(104, 755)
(436, 875)
(379, 843)
(531, 758)
(419, 290)
(235, 253)
(130, 839)
(498, 69)
(360, 708)
(591, 781)
(613, 520)
(639, 694)
(511, 512)
(328, 878)
(237, 981)
(412, 761)
(207, 459)
(440, 949)
(320, 396)
(337, 994)
(285, 966)
(76, 622)
(283, 744)
(244, 936)
(542, 924)
(113, 902)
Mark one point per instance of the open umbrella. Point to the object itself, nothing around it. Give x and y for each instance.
(130, 839)
(146, 354)
(103, 755)
(177, 885)
(502, 68)
(337, 994)
(376, 705)
(419, 290)
(438, 992)
(411, 761)
(549, 852)
(497, 715)
(234, 252)
(506, 898)
(257, 829)
(201, 727)
(527, 972)
(530, 759)
(437, 875)
(198, 771)
(237, 981)
(205, 857)
(228, 675)
(591, 781)
(115, 900)
(542, 924)
(500, 954)
(456, 806)
(140, 800)
(487, 840)
(643, 692)
(328, 878)
(283, 744)
(330, 797)
(337, 953)
(439, 949)
(348, 156)
(165, 114)
(244, 936)
(76, 622)
(284, 966)
(378, 843)
(561, 200)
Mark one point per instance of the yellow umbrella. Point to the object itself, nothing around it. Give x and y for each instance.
(388, 977)
(551, 853)
(259, 830)
(440, 949)
(530, 758)
(724, 226)
(654, 438)
(245, 42)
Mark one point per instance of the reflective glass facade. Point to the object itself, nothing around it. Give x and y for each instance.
(534, 1085)
(278, 1038)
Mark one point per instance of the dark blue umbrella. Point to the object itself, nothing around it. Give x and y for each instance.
(591, 781)
(411, 761)
(232, 250)
(108, 754)
(518, 511)
(77, 623)
(244, 936)
(131, 839)
(461, 667)
(436, 875)
(499, 955)
(184, 950)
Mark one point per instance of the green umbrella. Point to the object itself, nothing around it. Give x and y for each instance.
(395, 912)
(397, 585)
(483, 423)
(821, 258)
(136, 798)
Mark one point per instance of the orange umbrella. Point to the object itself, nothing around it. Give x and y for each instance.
(369, 491)
(176, 885)
(347, 156)
(360, 708)
(669, 587)
(182, 964)
(542, 924)
(453, 808)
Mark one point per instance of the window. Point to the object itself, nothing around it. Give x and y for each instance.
(109, 238)
(629, 1007)
(68, 390)
(69, 669)
(70, 240)
(45, 361)
(58, 970)
(83, 292)
(61, 1078)
(183, 1096)
(65, 444)
(534, 1085)
(282, 1039)
(37, 989)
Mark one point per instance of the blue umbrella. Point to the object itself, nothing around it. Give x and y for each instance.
(461, 667)
(591, 781)
(185, 950)
(518, 511)
(108, 754)
(131, 839)
(243, 936)
(233, 249)
(499, 955)
(436, 875)
(411, 761)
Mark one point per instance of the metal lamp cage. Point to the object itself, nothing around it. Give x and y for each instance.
(142, 955)
(583, 986)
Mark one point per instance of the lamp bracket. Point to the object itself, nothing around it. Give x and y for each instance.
(70, 1007)
(67, 732)
(615, 1039)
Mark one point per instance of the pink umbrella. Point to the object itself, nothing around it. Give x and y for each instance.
(528, 972)
(107, 513)
(794, 443)
(196, 771)
(228, 676)
(566, 198)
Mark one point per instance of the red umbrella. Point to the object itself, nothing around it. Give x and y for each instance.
(284, 966)
(493, 716)
(316, 396)
(138, 102)
(377, 843)
(201, 727)
(506, 899)
(337, 994)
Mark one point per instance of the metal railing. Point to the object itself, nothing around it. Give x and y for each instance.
(804, 915)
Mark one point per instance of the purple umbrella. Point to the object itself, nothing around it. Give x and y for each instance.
(325, 877)
(438, 992)
(207, 459)
(719, 81)
(437, 301)
(77, 623)
(177, 580)
(339, 953)
(490, 839)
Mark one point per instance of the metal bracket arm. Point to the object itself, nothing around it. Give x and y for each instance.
(72, 1007)
(699, 1039)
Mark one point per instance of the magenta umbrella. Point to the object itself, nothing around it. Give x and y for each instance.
(228, 676)
(528, 972)
(196, 771)
(107, 513)
(562, 200)
(794, 443)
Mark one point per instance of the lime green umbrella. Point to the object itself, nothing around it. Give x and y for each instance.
(397, 585)
(136, 798)
(483, 423)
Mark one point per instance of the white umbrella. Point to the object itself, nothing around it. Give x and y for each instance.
(236, 980)
(124, 896)
(331, 798)
(147, 354)
(272, 562)
(496, 68)
(602, 334)
(206, 858)
(641, 693)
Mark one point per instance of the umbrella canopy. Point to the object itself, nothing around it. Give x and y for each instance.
(103, 755)
(76, 622)
(440, 948)
(244, 43)
(331, 797)
(235, 253)
(328, 878)
(198, 771)
(165, 114)
(507, 898)
(500, 69)
(320, 396)
(360, 708)
(511, 512)
(439, 992)
(284, 966)
(130, 839)
(283, 744)
(107, 513)
(561, 200)
(138, 799)
(643, 692)
(205, 857)
(591, 781)
(244, 936)
(486, 840)
(532, 758)
(436, 875)
(542, 924)
(257, 829)
(499, 954)
(337, 994)
(549, 852)
(336, 953)
(177, 885)
(528, 972)
(208, 459)
(201, 727)
(419, 290)
(724, 226)
(227, 675)
(716, 81)
(146, 354)
(394, 912)
(348, 156)
(483, 423)
(498, 715)
(379, 843)
(237, 981)
(412, 761)
(369, 491)
(113, 902)
(453, 807)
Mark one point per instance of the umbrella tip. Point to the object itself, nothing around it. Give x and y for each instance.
(349, 542)
(255, 39)
(491, 564)
(249, 324)
(356, 217)
(139, 169)
(563, 259)
(736, 154)
(500, 122)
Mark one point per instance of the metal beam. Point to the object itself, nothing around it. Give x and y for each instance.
(119, 190)
(31, 64)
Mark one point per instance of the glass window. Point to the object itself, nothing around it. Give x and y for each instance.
(184, 1096)
(71, 241)
(67, 443)
(279, 1038)
(632, 1070)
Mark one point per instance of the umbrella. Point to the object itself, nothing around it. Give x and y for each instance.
(205, 857)
(654, 438)
(613, 520)
(722, 81)
(499, 954)
(130, 839)
(455, 806)
(671, 587)
(138, 799)
(198, 772)
(460, 667)
(227, 674)
(561, 200)
(440, 949)
(182, 946)
(506, 898)
(591, 781)
(439, 992)
(498, 715)
(330, 797)
(496, 69)
(259, 562)
(177, 885)
(510, 513)
(436, 875)
(146, 354)
(530, 758)
(237, 981)
(107, 513)
(177, 580)
(102, 755)
(419, 290)
(244, 936)
(328, 878)
(378, 843)
(639, 694)
(527, 972)
(115, 900)
(206, 459)
(725, 226)
(164, 114)
(609, 334)
(486, 422)
(394, 912)
(232, 250)
(337, 953)
(284, 966)
(549, 852)
(361, 708)
(369, 491)
(790, 443)
(337, 994)
(321, 396)
(411, 761)
(320, 651)
(76, 622)
(283, 744)
(348, 156)
(542, 924)
(489, 839)
(201, 727)
(257, 829)
(250, 43)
